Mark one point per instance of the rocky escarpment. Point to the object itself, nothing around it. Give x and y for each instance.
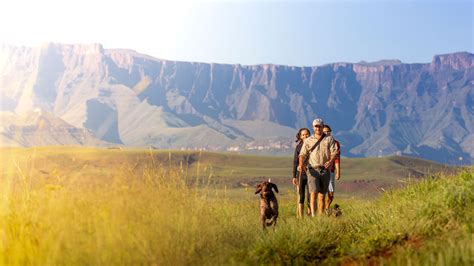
(123, 97)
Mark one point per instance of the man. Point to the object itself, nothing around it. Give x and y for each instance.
(321, 152)
(335, 169)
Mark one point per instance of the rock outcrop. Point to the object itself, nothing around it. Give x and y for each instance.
(123, 97)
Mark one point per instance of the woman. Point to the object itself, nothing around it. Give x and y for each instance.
(301, 182)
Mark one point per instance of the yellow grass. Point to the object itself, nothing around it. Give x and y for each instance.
(69, 206)
(84, 207)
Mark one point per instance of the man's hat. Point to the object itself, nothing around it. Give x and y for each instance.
(318, 121)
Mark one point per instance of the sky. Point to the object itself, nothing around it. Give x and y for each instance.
(299, 33)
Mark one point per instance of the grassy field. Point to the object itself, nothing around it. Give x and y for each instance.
(72, 206)
(367, 176)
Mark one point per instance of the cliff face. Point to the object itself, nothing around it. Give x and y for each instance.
(124, 97)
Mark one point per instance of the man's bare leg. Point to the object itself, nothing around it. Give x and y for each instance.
(308, 203)
(313, 203)
(320, 203)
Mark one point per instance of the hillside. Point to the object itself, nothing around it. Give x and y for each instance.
(65, 206)
(360, 176)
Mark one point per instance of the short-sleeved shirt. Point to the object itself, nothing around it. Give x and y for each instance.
(320, 154)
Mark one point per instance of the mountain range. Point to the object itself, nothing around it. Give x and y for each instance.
(86, 95)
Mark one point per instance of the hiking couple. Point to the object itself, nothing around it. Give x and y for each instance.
(316, 166)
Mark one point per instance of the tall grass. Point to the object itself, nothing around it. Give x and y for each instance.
(430, 222)
(157, 215)
(160, 215)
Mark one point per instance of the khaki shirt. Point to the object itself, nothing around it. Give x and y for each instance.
(320, 154)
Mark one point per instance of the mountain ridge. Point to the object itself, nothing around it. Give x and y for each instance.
(124, 97)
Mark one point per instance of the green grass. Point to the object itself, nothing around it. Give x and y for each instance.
(428, 223)
(90, 209)
(366, 176)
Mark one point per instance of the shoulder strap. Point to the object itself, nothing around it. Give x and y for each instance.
(317, 143)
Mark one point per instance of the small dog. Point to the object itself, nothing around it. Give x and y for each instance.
(268, 203)
(335, 211)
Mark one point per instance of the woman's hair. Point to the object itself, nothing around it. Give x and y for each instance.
(298, 135)
(328, 127)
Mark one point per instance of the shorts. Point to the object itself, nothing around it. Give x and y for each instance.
(317, 182)
(302, 189)
(332, 182)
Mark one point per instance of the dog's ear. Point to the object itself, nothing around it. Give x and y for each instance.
(258, 188)
(275, 187)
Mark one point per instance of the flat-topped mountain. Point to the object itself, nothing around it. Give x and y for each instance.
(122, 97)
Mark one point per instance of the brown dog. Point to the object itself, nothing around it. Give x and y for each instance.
(268, 203)
(335, 211)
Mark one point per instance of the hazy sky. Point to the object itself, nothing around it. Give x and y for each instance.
(249, 32)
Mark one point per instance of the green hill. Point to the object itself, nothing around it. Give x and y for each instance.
(360, 176)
